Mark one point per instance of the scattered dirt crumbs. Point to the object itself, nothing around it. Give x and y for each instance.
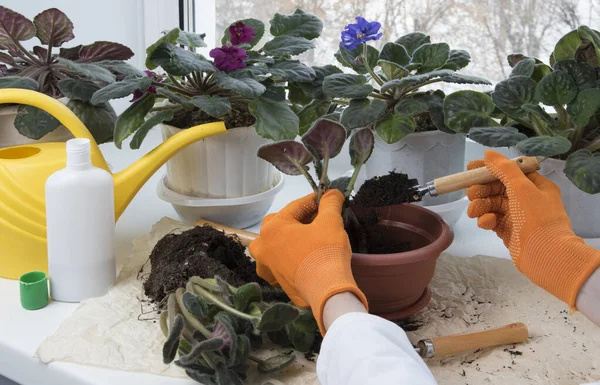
(205, 252)
(387, 190)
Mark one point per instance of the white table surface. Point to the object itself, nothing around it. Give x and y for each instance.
(22, 331)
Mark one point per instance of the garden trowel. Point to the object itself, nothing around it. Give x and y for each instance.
(460, 343)
(466, 179)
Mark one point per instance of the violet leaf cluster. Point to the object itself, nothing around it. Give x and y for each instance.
(214, 329)
(569, 85)
(58, 71)
(240, 79)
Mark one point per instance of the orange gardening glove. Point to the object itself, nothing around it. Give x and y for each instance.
(310, 260)
(528, 215)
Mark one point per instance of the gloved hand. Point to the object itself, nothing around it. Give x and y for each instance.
(528, 215)
(310, 260)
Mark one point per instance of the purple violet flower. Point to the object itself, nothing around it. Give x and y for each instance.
(152, 89)
(240, 33)
(229, 58)
(361, 32)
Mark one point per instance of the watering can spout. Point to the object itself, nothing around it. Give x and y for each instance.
(129, 181)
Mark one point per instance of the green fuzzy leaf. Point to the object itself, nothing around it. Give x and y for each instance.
(361, 147)
(176, 98)
(215, 106)
(567, 46)
(132, 118)
(90, 71)
(362, 112)
(275, 92)
(584, 74)
(168, 38)
(298, 97)
(393, 128)
(314, 89)
(347, 86)
(340, 184)
(280, 337)
(299, 24)
(464, 110)
(172, 344)
(257, 25)
(583, 169)
(151, 122)
(76, 89)
(524, 68)
(414, 80)
(53, 27)
(247, 87)
(431, 56)
(436, 111)
(412, 41)
(255, 57)
(288, 156)
(556, 88)
(510, 95)
(584, 106)
(34, 123)
(496, 136)
(325, 139)
(287, 45)
(177, 61)
(247, 294)
(100, 119)
(353, 59)
(539, 117)
(464, 79)
(274, 120)
(457, 60)
(120, 67)
(191, 39)
(226, 376)
(395, 53)
(276, 363)
(209, 345)
(121, 89)
(413, 105)
(277, 316)
(544, 146)
(301, 331)
(592, 36)
(392, 70)
(195, 304)
(293, 71)
(540, 71)
(200, 377)
(311, 112)
(240, 356)
(18, 82)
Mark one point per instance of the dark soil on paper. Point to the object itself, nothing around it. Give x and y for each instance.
(387, 190)
(205, 252)
(238, 117)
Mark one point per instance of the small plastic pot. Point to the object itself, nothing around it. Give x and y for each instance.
(396, 285)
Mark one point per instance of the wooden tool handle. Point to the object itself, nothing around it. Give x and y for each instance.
(509, 334)
(245, 236)
(466, 179)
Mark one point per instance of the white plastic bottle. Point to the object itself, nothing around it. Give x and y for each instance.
(80, 222)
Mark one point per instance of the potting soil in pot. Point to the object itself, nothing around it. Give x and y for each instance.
(205, 252)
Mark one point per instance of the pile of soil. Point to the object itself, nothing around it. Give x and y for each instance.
(238, 117)
(386, 190)
(205, 252)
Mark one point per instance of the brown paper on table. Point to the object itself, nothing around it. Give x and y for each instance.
(469, 294)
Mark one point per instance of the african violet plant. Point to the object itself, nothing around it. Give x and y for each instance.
(242, 85)
(75, 72)
(397, 105)
(215, 327)
(570, 85)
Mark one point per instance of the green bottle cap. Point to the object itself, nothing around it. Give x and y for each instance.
(34, 290)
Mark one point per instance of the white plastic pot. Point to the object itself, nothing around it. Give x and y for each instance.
(581, 207)
(9, 136)
(222, 166)
(424, 156)
(234, 212)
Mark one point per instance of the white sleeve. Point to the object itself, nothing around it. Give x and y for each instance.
(363, 349)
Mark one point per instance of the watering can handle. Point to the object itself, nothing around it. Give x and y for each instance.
(52, 106)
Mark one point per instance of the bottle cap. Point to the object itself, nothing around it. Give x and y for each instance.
(33, 288)
(78, 152)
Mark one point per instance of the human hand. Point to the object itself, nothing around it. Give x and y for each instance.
(527, 213)
(309, 259)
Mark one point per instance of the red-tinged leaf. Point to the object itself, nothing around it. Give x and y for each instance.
(325, 139)
(70, 53)
(12, 49)
(287, 156)
(6, 58)
(104, 50)
(14, 26)
(41, 52)
(361, 147)
(53, 27)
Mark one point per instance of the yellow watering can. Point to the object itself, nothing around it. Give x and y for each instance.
(24, 170)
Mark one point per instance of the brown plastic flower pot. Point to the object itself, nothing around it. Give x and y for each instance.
(396, 285)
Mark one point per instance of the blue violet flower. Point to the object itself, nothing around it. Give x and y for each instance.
(361, 32)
